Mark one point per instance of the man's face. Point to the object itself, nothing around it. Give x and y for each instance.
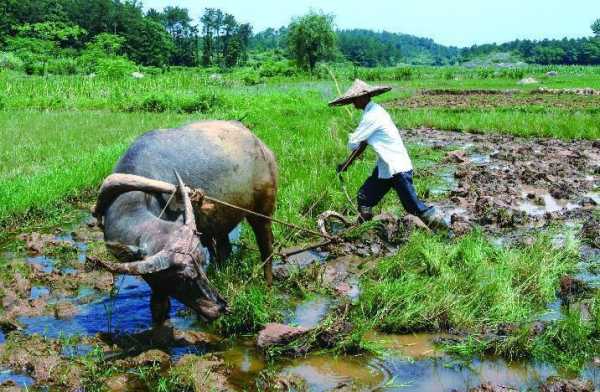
(361, 102)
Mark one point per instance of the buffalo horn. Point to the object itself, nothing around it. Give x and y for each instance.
(159, 262)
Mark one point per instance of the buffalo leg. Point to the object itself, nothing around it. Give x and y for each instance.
(160, 307)
(223, 246)
(264, 237)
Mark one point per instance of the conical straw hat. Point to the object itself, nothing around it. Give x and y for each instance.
(359, 89)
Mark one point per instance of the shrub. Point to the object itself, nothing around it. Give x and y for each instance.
(199, 103)
(279, 68)
(115, 67)
(62, 66)
(251, 78)
(10, 61)
(154, 103)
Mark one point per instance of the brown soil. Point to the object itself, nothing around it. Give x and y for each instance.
(521, 182)
(487, 100)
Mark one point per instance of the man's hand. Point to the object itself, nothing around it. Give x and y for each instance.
(355, 154)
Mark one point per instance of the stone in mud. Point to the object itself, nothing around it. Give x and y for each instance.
(389, 226)
(124, 383)
(278, 334)
(555, 384)
(590, 232)
(10, 386)
(559, 193)
(571, 287)
(587, 202)
(537, 328)
(22, 285)
(489, 387)
(65, 310)
(457, 156)
(333, 334)
(151, 358)
(412, 222)
(206, 373)
(460, 225)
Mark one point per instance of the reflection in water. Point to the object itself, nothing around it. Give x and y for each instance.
(19, 380)
(127, 312)
(309, 313)
(326, 373)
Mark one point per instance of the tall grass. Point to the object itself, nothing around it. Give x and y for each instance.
(468, 284)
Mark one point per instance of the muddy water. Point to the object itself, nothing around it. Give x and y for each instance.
(409, 362)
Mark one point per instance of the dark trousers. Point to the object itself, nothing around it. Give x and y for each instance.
(375, 188)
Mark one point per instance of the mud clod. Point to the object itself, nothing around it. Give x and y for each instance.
(489, 387)
(554, 384)
(124, 383)
(206, 373)
(590, 232)
(571, 288)
(278, 334)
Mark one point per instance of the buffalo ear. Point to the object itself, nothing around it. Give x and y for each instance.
(126, 253)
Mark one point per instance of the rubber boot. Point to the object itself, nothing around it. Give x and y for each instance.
(434, 219)
(365, 214)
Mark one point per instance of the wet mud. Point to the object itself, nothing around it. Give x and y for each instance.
(58, 304)
(504, 182)
(498, 99)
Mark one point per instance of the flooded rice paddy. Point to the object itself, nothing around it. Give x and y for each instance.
(536, 192)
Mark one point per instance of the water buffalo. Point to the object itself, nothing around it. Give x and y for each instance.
(155, 230)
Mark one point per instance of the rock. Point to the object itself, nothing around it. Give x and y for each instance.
(457, 156)
(551, 74)
(489, 387)
(555, 384)
(22, 285)
(412, 222)
(537, 328)
(559, 193)
(590, 232)
(137, 75)
(65, 310)
(192, 338)
(278, 334)
(124, 383)
(460, 225)
(206, 373)
(571, 287)
(151, 358)
(587, 201)
(528, 80)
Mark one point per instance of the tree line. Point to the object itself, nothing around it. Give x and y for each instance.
(84, 33)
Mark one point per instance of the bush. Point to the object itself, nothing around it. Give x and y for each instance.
(158, 103)
(280, 68)
(199, 103)
(10, 61)
(115, 67)
(62, 66)
(250, 77)
(151, 71)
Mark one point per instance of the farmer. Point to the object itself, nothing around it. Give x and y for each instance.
(394, 168)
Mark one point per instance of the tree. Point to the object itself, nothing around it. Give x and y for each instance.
(311, 38)
(596, 27)
(177, 22)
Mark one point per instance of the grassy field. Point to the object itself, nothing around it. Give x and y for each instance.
(62, 135)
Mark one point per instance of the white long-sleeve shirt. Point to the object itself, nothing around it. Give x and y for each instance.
(379, 131)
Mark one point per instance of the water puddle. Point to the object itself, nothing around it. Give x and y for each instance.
(310, 313)
(8, 377)
(127, 312)
(327, 373)
(539, 202)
